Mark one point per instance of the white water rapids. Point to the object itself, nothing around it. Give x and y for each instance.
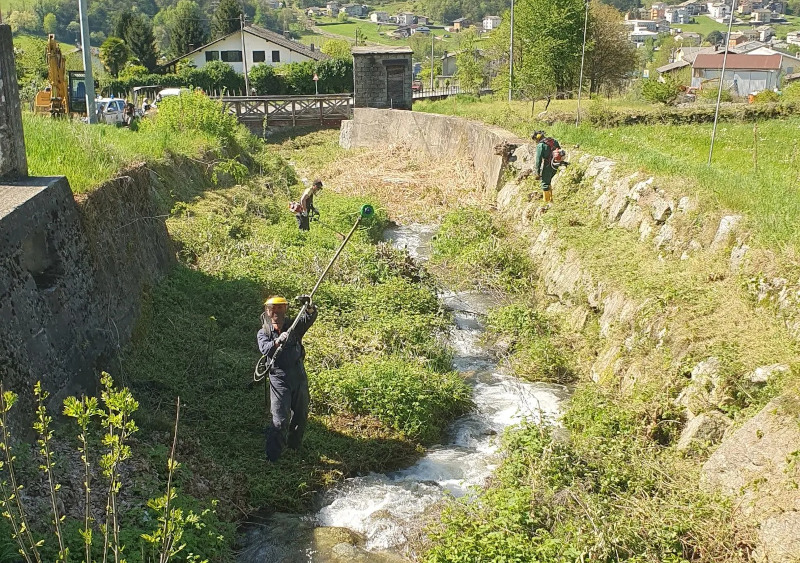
(384, 508)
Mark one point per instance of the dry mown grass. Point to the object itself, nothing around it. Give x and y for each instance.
(410, 184)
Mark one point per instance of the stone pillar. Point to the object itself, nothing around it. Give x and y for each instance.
(13, 163)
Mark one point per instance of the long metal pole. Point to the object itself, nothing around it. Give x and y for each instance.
(86, 47)
(583, 56)
(721, 79)
(511, 56)
(432, 67)
(244, 57)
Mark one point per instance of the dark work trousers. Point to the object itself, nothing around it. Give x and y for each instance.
(289, 399)
(302, 221)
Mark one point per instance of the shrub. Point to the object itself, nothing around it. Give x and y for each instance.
(196, 112)
(660, 92)
(766, 96)
(791, 93)
(472, 247)
(264, 80)
(214, 77)
(710, 93)
(407, 397)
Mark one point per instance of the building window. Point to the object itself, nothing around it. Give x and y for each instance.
(259, 56)
(231, 56)
(276, 56)
(212, 56)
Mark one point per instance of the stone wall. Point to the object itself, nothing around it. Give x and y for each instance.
(439, 135)
(72, 276)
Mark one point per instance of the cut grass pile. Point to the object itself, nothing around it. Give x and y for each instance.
(763, 189)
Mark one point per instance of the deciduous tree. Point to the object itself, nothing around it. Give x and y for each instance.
(610, 57)
(470, 65)
(49, 23)
(337, 48)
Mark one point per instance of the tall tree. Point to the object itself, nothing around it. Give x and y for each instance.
(185, 28)
(469, 65)
(610, 57)
(226, 18)
(122, 23)
(142, 42)
(114, 54)
(548, 36)
(50, 23)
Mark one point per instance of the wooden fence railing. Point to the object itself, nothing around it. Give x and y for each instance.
(328, 109)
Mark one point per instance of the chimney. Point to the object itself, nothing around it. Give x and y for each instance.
(312, 46)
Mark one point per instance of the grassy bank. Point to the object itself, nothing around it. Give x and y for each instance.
(763, 188)
(89, 155)
(612, 488)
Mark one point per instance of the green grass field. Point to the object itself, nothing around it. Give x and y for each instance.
(765, 190)
(705, 25)
(372, 31)
(88, 155)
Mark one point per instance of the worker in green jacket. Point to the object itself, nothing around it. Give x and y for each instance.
(546, 165)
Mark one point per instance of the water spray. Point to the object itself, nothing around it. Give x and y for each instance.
(264, 364)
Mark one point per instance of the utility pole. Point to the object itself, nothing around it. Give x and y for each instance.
(511, 56)
(432, 67)
(86, 49)
(244, 57)
(583, 56)
(721, 80)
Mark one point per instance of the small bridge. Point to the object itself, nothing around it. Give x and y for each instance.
(257, 112)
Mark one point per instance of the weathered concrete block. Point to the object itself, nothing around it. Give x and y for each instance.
(13, 162)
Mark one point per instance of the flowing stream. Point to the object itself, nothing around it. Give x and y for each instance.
(369, 518)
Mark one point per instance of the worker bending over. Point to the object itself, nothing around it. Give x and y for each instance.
(306, 208)
(288, 382)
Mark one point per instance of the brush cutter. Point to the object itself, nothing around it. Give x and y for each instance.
(264, 363)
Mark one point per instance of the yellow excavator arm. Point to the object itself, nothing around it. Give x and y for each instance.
(56, 100)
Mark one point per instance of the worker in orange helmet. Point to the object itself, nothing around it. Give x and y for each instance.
(288, 381)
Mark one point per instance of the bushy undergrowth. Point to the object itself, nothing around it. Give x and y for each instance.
(472, 250)
(409, 398)
(197, 339)
(533, 348)
(605, 494)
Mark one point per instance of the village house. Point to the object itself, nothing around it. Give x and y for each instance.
(406, 18)
(675, 14)
(663, 26)
(744, 74)
(332, 8)
(424, 20)
(646, 25)
(460, 24)
(379, 17)
(688, 38)
(639, 36)
(718, 12)
(421, 29)
(737, 38)
(315, 12)
(765, 33)
(657, 10)
(491, 22)
(355, 10)
(693, 7)
(262, 46)
(762, 16)
(746, 7)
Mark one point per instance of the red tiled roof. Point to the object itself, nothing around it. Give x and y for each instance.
(738, 62)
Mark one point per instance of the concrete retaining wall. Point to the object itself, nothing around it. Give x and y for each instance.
(439, 135)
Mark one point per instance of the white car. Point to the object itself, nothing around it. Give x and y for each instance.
(167, 92)
(111, 111)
